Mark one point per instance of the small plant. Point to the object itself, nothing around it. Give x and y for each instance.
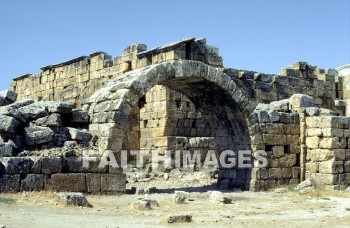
(291, 187)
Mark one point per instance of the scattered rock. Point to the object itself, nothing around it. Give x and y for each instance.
(79, 117)
(35, 110)
(306, 183)
(76, 199)
(180, 197)
(145, 204)
(179, 218)
(218, 197)
(280, 190)
(348, 189)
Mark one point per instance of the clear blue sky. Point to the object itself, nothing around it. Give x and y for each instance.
(260, 35)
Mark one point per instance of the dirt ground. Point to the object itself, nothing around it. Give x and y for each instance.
(249, 209)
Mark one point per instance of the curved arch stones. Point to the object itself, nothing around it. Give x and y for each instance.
(110, 107)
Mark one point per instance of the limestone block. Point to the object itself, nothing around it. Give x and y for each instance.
(6, 149)
(76, 199)
(113, 183)
(288, 160)
(330, 154)
(328, 179)
(312, 167)
(314, 132)
(312, 142)
(8, 124)
(79, 117)
(93, 182)
(278, 151)
(10, 183)
(332, 132)
(79, 135)
(275, 173)
(32, 182)
(59, 107)
(272, 139)
(35, 135)
(16, 165)
(287, 173)
(53, 120)
(51, 165)
(34, 111)
(72, 182)
(331, 167)
(296, 172)
(75, 165)
(299, 101)
(329, 143)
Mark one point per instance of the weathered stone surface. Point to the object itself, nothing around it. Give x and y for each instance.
(179, 218)
(7, 97)
(113, 183)
(76, 165)
(8, 124)
(180, 197)
(16, 165)
(35, 110)
(32, 182)
(93, 182)
(79, 117)
(51, 165)
(300, 101)
(72, 182)
(6, 150)
(219, 197)
(53, 120)
(35, 135)
(145, 204)
(79, 135)
(76, 199)
(10, 183)
(59, 107)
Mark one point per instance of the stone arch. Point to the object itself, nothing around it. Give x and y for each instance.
(214, 92)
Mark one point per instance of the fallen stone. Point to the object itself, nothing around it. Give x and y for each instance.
(34, 111)
(8, 124)
(143, 204)
(79, 135)
(306, 190)
(300, 101)
(306, 183)
(75, 199)
(180, 197)
(348, 189)
(179, 218)
(35, 135)
(53, 120)
(280, 190)
(218, 197)
(59, 107)
(280, 106)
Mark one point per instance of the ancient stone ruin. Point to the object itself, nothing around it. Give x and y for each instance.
(175, 97)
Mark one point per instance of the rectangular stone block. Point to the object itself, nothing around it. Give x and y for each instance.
(330, 167)
(278, 151)
(113, 183)
(71, 182)
(16, 165)
(329, 179)
(288, 161)
(32, 182)
(312, 142)
(287, 173)
(10, 183)
(51, 165)
(275, 173)
(75, 165)
(312, 167)
(272, 139)
(93, 182)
